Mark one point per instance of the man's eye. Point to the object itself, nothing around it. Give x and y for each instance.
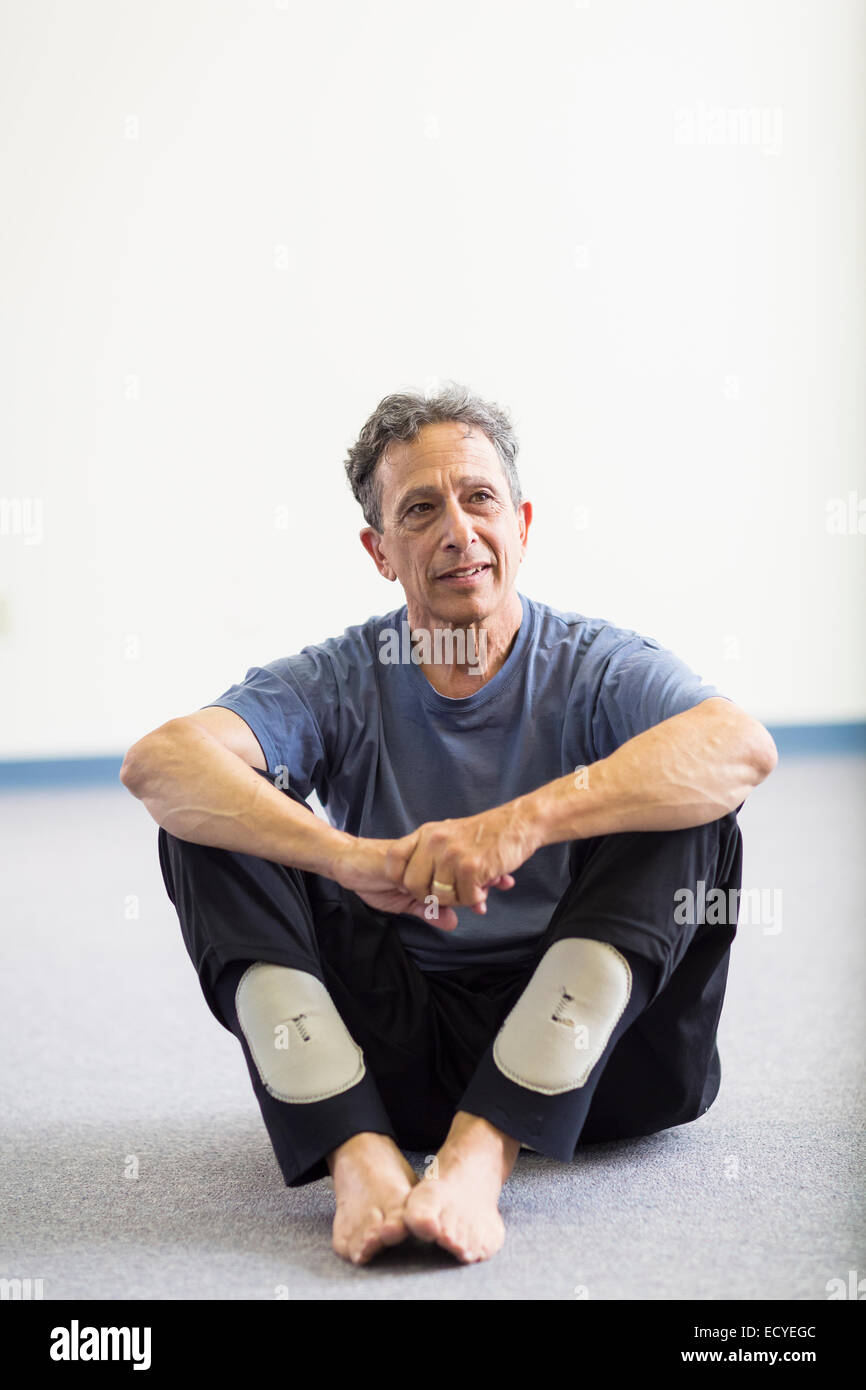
(482, 492)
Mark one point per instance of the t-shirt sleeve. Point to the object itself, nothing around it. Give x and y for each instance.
(641, 685)
(290, 705)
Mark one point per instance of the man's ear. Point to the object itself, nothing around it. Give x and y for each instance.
(371, 540)
(525, 511)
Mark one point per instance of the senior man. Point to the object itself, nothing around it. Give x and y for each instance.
(484, 947)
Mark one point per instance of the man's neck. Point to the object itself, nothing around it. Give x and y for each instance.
(485, 645)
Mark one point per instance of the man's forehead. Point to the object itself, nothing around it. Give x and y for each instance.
(459, 448)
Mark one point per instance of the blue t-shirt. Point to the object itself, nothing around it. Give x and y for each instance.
(385, 752)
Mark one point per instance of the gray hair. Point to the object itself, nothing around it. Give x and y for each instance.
(403, 416)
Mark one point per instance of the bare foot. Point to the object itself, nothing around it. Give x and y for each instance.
(372, 1181)
(457, 1202)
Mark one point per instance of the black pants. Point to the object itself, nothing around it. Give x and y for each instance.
(427, 1037)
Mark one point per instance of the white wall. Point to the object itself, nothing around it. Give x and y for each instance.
(230, 228)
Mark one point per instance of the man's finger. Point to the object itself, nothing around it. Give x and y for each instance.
(470, 892)
(419, 873)
(445, 921)
(397, 857)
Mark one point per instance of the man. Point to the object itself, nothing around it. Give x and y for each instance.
(485, 947)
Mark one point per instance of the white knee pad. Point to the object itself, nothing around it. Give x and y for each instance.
(300, 1045)
(562, 1022)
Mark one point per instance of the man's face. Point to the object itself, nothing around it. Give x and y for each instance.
(446, 506)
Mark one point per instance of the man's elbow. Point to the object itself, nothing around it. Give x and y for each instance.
(132, 768)
(753, 765)
(764, 755)
(127, 773)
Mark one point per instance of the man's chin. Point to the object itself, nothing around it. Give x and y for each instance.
(464, 603)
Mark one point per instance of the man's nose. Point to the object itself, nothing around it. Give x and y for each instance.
(458, 528)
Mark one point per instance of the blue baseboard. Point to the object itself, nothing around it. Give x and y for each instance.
(21, 774)
(792, 740)
(811, 739)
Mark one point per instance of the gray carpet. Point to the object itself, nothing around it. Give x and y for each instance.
(112, 1060)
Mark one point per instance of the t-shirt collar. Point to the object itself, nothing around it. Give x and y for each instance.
(509, 669)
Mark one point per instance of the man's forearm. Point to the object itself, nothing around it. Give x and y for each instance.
(198, 790)
(688, 770)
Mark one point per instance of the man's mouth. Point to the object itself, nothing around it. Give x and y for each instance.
(466, 574)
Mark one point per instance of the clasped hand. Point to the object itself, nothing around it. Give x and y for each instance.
(441, 865)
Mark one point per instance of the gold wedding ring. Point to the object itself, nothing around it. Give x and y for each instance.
(443, 887)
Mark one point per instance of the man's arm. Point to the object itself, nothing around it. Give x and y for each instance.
(200, 786)
(195, 776)
(688, 770)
